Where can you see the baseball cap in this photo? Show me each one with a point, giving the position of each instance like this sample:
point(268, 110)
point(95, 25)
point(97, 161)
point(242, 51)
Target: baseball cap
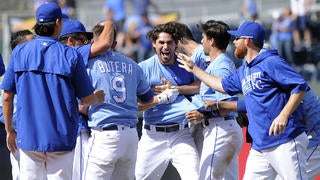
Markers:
point(74, 26)
point(49, 12)
point(250, 29)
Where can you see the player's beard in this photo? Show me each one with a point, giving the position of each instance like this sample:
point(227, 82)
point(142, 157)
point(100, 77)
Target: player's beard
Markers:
point(240, 51)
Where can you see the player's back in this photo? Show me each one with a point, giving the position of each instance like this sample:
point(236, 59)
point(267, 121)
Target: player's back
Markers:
point(122, 81)
point(44, 70)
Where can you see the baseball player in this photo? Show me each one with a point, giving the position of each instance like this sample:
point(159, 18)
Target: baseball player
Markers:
point(189, 46)
point(222, 135)
point(114, 138)
point(311, 113)
point(165, 135)
point(46, 77)
point(272, 92)
point(74, 34)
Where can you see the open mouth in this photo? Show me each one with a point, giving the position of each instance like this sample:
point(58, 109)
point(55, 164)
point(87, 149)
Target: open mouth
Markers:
point(165, 53)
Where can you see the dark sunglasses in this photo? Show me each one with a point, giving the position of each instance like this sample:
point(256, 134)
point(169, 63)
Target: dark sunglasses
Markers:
point(83, 40)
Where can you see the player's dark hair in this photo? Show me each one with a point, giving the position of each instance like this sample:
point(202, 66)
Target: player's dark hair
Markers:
point(183, 28)
point(153, 34)
point(217, 30)
point(44, 29)
point(19, 37)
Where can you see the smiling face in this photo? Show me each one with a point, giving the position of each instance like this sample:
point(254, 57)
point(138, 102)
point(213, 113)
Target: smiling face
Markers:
point(165, 48)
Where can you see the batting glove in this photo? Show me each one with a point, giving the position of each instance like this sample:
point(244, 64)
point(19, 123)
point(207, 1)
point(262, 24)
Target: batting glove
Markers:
point(168, 96)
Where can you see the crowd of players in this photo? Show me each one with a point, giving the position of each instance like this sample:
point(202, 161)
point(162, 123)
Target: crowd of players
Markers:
point(182, 90)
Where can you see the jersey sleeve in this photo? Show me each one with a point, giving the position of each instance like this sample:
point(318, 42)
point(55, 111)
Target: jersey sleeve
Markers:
point(286, 76)
point(144, 93)
point(232, 84)
point(81, 80)
point(8, 82)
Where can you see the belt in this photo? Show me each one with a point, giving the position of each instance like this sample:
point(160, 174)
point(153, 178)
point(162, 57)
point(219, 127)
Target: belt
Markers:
point(115, 127)
point(163, 128)
point(206, 122)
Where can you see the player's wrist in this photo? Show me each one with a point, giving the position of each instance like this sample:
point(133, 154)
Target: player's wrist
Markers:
point(175, 87)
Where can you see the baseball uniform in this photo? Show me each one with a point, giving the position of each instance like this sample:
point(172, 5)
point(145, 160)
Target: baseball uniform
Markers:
point(114, 139)
point(266, 87)
point(222, 135)
point(166, 136)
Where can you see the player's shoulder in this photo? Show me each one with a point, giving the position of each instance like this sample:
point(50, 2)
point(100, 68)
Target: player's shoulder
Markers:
point(149, 62)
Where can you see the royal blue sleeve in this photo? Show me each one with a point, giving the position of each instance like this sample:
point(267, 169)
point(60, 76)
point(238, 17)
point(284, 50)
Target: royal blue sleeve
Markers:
point(241, 106)
point(280, 70)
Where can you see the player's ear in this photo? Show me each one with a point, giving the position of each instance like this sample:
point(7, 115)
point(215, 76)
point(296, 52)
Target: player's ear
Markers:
point(71, 41)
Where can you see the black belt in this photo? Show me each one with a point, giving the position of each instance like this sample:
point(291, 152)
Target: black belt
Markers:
point(170, 128)
point(114, 127)
point(206, 121)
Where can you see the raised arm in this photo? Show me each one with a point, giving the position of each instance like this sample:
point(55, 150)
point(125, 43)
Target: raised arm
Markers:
point(104, 41)
point(212, 81)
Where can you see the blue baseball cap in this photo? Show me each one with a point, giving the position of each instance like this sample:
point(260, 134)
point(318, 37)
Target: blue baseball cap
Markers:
point(74, 26)
point(250, 29)
point(49, 12)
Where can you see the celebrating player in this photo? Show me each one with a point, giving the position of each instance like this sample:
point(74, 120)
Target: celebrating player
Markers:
point(272, 92)
point(114, 138)
point(74, 34)
point(166, 136)
point(222, 134)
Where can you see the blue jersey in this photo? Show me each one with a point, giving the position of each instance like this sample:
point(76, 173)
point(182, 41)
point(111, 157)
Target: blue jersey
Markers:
point(46, 76)
point(266, 83)
point(311, 111)
point(173, 112)
point(123, 83)
point(85, 53)
point(222, 67)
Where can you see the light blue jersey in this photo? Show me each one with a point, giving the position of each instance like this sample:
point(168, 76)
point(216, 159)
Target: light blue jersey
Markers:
point(123, 82)
point(222, 67)
point(175, 111)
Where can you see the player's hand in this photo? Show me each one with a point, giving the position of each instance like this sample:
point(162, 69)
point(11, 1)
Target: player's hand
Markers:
point(212, 106)
point(160, 88)
point(278, 125)
point(100, 95)
point(168, 96)
point(185, 62)
point(11, 141)
point(194, 116)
